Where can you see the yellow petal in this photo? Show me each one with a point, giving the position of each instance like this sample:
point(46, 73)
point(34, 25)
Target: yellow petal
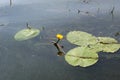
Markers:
point(59, 36)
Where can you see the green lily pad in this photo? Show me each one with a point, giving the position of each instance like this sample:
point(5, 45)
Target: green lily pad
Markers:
point(106, 44)
point(105, 47)
point(81, 38)
point(107, 40)
point(26, 34)
point(110, 48)
point(86, 55)
point(81, 56)
point(97, 47)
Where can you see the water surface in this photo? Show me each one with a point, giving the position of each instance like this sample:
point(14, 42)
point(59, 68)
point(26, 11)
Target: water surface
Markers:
point(36, 59)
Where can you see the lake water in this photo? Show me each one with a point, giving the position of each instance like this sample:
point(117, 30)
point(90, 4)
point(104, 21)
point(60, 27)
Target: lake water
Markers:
point(36, 59)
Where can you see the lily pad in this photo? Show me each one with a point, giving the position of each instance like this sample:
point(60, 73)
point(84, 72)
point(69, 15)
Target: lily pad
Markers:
point(81, 38)
point(110, 47)
point(26, 34)
point(97, 47)
point(107, 40)
point(106, 44)
point(81, 56)
point(105, 47)
point(86, 55)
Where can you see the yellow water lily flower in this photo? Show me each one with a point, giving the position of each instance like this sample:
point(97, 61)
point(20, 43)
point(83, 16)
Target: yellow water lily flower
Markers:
point(59, 36)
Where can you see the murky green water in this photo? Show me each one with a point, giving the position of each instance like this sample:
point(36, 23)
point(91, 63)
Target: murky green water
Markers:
point(36, 59)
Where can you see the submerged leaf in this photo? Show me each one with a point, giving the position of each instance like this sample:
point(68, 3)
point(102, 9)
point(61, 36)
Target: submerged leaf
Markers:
point(81, 38)
point(26, 34)
point(81, 56)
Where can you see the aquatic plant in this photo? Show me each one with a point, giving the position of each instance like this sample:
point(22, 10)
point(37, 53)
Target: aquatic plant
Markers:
point(59, 36)
point(82, 56)
point(57, 45)
point(81, 38)
point(88, 45)
point(26, 34)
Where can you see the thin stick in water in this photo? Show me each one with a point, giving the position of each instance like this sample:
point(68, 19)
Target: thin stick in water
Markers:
point(10, 2)
point(112, 11)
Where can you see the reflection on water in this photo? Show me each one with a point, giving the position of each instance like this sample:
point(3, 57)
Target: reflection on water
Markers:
point(37, 59)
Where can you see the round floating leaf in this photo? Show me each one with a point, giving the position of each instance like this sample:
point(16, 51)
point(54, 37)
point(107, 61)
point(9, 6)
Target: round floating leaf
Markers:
point(81, 38)
point(110, 47)
point(107, 44)
point(26, 34)
point(107, 40)
point(81, 56)
point(97, 47)
point(105, 47)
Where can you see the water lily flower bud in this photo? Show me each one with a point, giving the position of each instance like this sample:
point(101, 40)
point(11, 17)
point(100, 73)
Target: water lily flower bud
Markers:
point(59, 36)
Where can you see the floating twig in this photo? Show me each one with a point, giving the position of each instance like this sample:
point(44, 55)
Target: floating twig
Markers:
point(85, 1)
point(98, 10)
point(2, 24)
point(28, 26)
point(117, 33)
point(10, 2)
point(112, 11)
point(79, 11)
